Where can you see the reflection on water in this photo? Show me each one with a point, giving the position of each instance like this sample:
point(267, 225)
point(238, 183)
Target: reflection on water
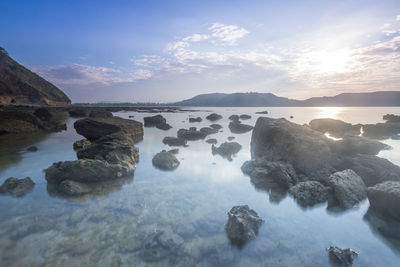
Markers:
point(178, 218)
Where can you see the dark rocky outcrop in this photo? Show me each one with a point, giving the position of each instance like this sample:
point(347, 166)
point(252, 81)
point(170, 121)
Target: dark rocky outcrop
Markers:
point(341, 257)
point(191, 135)
point(238, 128)
point(309, 193)
point(174, 141)
point(243, 225)
point(385, 198)
point(154, 120)
point(214, 117)
point(17, 187)
point(227, 149)
point(165, 161)
point(198, 119)
point(72, 188)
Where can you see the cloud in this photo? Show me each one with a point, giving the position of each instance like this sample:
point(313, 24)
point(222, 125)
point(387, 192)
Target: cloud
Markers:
point(177, 45)
point(228, 34)
point(398, 18)
point(196, 37)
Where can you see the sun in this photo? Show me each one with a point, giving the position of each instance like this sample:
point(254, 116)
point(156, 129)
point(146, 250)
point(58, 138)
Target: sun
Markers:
point(331, 62)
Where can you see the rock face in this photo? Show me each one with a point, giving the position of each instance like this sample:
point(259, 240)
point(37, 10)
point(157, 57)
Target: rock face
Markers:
point(165, 161)
point(17, 187)
point(227, 149)
point(174, 141)
point(94, 128)
point(341, 257)
point(198, 119)
point(385, 198)
point(243, 225)
point(309, 193)
point(336, 128)
point(192, 134)
point(214, 117)
point(348, 188)
point(239, 128)
point(154, 120)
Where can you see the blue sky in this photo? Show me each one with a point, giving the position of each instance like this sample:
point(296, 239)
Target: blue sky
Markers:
point(172, 50)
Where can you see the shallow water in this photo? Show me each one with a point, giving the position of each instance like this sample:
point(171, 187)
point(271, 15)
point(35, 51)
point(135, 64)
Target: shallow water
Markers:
point(108, 229)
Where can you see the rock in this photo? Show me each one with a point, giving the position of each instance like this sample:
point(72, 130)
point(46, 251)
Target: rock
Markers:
point(85, 170)
point(244, 117)
point(100, 114)
point(227, 149)
point(192, 134)
point(391, 118)
point(342, 257)
point(95, 128)
point(17, 187)
point(381, 130)
point(280, 173)
point(348, 188)
point(230, 138)
point(214, 117)
point(154, 120)
point(174, 151)
point(234, 118)
point(309, 193)
point(212, 141)
point(208, 130)
point(216, 126)
point(352, 145)
point(131, 116)
point(174, 141)
point(239, 128)
point(32, 149)
point(385, 198)
point(243, 225)
point(72, 188)
point(80, 144)
point(198, 119)
point(43, 114)
point(291, 117)
point(165, 161)
point(78, 112)
point(336, 128)
point(262, 112)
point(163, 126)
point(396, 137)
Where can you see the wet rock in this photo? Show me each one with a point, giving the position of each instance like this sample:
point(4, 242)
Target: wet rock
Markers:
point(244, 117)
point(17, 187)
point(95, 128)
point(385, 198)
point(80, 144)
point(348, 188)
point(192, 134)
point(214, 117)
point(212, 141)
point(391, 118)
point(309, 193)
point(32, 149)
point(78, 112)
point(174, 141)
point(239, 128)
point(262, 112)
point(163, 126)
point(336, 128)
point(234, 118)
point(100, 114)
point(174, 151)
point(198, 119)
point(243, 225)
point(208, 130)
point(227, 149)
point(352, 145)
point(230, 138)
point(154, 120)
point(165, 161)
point(281, 173)
point(216, 126)
point(341, 257)
point(72, 188)
point(85, 170)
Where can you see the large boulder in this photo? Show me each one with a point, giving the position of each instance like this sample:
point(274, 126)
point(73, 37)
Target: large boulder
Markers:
point(154, 120)
point(174, 141)
point(214, 117)
point(227, 149)
point(348, 188)
point(385, 198)
point(243, 225)
point(95, 128)
point(309, 193)
point(17, 187)
point(336, 128)
point(165, 160)
point(238, 128)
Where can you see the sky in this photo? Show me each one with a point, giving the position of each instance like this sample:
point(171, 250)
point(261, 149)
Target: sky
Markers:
point(165, 51)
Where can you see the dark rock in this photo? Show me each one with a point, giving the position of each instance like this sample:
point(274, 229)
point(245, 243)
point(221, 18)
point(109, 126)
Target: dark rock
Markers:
point(94, 128)
point(208, 130)
point(291, 117)
point(309, 193)
point(396, 137)
point(216, 126)
point(72, 188)
point(348, 188)
point(100, 114)
point(79, 112)
point(227, 149)
point(131, 116)
point(43, 114)
point(243, 225)
point(239, 128)
point(81, 144)
point(17, 187)
point(244, 117)
point(212, 141)
point(174, 141)
point(163, 126)
point(336, 128)
point(341, 257)
point(32, 148)
point(154, 120)
point(385, 198)
point(234, 118)
point(25, 122)
point(174, 151)
point(198, 119)
point(230, 138)
point(165, 161)
point(391, 118)
point(262, 112)
point(191, 134)
point(381, 130)
point(214, 117)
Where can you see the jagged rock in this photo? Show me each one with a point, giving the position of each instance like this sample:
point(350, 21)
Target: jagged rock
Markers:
point(154, 120)
point(243, 225)
point(165, 161)
point(163, 126)
point(208, 130)
point(238, 128)
point(385, 198)
point(81, 144)
point(341, 257)
point(17, 187)
point(192, 134)
point(216, 126)
point(336, 128)
point(212, 141)
point(214, 117)
point(79, 112)
point(32, 148)
point(198, 119)
point(100, 114)
point(174, 141)
point(348, 188)
point(85, 170)
point(227, 149)
point(309, 193)
point(244, 117)
point(94, 128)
point(72, 188)
point(280, 173)
point(234, 118)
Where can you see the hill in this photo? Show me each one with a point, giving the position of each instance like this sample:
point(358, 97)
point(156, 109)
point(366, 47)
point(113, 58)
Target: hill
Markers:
point(18, 85)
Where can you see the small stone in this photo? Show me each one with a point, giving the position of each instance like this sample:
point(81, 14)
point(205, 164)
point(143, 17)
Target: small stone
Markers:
point(344, 257)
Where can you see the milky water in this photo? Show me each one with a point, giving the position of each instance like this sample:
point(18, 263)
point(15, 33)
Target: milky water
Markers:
point(109, 228)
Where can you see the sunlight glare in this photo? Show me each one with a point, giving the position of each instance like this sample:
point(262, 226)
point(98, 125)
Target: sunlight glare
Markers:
point(329, 112)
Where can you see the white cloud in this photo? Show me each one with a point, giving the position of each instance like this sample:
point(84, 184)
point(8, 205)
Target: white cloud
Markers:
point(228, 34)
point(398, 18)
point(177, 45)
point(196, 37)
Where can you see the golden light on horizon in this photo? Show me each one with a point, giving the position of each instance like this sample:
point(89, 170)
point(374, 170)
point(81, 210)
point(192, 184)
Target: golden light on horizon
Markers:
point(329, 112)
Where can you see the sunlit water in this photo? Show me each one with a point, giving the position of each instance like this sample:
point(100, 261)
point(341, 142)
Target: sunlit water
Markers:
point(43, 228)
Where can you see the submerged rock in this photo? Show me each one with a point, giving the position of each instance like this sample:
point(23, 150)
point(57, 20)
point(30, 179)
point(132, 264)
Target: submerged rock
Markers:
point(385, 198)
point(198, 119)
point(17, 187)
point(174, 141)
point(214, 117)
point(208, 130)
point(227, 149)
point(238, 128)
point(163, 126)
point(244, 117)
point(212, 141)
point(154, 120)
point(72, 188)
point(230, 138)
point(165, 161)
point(243, 225)
point(192, 134)
point(216, 126)
point(309, 193)
point(342, 257)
